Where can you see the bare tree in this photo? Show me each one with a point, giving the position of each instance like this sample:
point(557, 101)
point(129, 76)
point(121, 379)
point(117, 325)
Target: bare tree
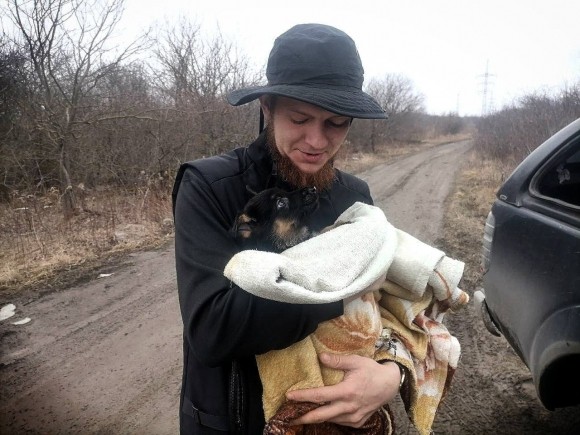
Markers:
point(194, 69)
point(195, 74)
point(13, 91)
point(397, 95)
point(13, 84)
point(517, 129)
point(67, 43)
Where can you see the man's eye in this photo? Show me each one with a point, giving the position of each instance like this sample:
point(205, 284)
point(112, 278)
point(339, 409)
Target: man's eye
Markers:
point(339, 124)
point(299, 121)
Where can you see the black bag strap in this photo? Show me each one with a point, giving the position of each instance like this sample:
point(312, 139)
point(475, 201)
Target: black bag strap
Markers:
point(217, 422)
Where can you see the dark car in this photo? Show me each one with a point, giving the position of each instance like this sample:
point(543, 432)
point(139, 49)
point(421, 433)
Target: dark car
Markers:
point(531, 264)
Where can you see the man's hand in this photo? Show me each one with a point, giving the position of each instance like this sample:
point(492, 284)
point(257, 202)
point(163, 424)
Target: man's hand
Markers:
point(367, 385)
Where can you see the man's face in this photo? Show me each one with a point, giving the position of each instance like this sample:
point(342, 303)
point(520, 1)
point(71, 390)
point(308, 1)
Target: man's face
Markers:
point(307, 135)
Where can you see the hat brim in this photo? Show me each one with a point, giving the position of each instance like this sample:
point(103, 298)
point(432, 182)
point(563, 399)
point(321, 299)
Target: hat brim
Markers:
point(341, 100)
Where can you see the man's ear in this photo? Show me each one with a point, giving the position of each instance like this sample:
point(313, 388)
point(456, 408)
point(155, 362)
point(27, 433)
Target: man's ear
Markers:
point(265, 105)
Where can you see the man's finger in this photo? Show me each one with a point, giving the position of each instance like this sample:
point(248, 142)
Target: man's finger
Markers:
point(320, 395)
point(341, 362)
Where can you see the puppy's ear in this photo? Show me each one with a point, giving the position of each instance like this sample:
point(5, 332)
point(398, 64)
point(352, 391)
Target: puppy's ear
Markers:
point(249, 189)
point(243, 227)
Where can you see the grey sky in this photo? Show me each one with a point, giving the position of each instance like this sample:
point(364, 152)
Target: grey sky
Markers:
point(442, 46)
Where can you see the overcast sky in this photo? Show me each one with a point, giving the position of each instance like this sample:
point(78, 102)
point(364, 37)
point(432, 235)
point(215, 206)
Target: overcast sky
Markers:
point(442, 46)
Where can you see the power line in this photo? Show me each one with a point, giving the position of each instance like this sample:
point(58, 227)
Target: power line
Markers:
point(487, 100)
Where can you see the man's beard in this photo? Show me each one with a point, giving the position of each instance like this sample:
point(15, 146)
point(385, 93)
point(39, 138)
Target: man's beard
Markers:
point(290, 173)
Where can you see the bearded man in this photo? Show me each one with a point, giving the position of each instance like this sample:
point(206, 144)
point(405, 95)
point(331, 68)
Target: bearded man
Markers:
point(314, 91)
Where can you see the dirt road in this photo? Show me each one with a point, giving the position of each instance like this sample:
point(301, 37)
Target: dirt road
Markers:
point(105, 357)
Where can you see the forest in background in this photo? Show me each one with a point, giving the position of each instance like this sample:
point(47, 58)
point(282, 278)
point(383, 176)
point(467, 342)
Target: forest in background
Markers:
point(80, 113)
point(92, 133)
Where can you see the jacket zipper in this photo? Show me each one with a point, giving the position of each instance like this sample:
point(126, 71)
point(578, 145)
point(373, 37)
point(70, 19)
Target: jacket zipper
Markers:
point(236, 399)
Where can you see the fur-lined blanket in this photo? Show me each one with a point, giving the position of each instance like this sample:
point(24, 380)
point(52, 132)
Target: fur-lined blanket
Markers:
point(398, 290)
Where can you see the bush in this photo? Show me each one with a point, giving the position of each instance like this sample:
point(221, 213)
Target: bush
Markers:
point(516, 130)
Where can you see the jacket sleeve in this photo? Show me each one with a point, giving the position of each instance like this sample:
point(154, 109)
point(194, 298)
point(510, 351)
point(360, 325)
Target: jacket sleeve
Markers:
point(222, 321)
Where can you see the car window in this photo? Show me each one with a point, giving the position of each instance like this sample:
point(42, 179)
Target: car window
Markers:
point(559, 180)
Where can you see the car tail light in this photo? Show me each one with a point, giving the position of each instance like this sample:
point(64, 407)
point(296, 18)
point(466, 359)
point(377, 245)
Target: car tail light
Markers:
point(487, 240)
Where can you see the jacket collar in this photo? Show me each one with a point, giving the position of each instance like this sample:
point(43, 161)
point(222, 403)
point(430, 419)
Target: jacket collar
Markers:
point(260, 155)
point(265, 167)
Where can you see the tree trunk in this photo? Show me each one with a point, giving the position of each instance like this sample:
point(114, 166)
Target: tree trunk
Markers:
point(373, 135)
point(68, 199)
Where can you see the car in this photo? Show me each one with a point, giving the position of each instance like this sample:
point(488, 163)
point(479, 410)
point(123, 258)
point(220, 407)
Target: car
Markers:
point(531, 266)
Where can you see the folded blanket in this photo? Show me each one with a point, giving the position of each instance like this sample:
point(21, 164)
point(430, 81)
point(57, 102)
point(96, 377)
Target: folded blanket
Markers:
point(398, 290)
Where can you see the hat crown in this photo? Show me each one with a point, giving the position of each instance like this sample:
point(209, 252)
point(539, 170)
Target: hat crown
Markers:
point(319, 65)
point(315, 54)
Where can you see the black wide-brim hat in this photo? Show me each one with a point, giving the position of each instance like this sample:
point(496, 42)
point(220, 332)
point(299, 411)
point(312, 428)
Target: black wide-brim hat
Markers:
point(317, 64)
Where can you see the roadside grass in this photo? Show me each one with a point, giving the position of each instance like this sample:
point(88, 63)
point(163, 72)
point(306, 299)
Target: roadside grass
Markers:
point(467, 208)
point(41, 251)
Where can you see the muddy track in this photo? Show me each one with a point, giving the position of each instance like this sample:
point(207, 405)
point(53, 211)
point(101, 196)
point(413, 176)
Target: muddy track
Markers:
point(105, 357)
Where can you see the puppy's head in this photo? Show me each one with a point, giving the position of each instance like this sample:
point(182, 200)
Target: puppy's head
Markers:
point(274, 219)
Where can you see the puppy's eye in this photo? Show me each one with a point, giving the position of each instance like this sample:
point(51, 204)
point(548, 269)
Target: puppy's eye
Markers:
point(282, 203)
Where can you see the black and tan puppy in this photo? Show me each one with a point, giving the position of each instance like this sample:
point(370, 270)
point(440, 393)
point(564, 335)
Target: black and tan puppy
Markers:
point(274, 219)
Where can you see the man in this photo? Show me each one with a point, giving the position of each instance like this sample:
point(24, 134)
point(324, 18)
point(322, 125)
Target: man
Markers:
point(314, 91)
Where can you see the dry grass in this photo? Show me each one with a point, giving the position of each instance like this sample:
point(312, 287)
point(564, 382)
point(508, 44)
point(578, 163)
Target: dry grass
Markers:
point(40, 250)
point(467, 209)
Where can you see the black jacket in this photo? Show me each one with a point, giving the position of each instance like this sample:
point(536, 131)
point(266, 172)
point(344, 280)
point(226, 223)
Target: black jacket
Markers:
point(224, 326)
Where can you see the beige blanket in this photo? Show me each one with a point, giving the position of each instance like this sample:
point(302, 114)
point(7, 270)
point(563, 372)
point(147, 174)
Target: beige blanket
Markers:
point(398, 290)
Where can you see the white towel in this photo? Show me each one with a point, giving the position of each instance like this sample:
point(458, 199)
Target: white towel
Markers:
point(340, 263)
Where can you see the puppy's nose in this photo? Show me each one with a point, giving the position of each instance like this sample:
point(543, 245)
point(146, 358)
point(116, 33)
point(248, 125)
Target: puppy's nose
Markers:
point(309, 195)
point(309, 192)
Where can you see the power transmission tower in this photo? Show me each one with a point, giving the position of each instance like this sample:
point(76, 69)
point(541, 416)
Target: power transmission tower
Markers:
point(487, 84)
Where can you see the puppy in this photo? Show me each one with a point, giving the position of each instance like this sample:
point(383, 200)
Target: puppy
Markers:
point(274, 219)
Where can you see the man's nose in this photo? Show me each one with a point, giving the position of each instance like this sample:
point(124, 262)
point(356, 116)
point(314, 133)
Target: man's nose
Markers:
point(316, 137)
